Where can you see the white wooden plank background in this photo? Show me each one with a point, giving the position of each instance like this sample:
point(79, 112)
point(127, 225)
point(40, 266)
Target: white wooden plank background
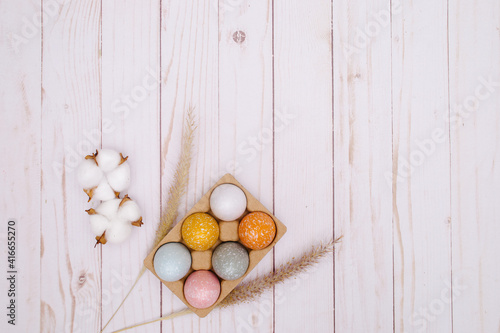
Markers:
point(131, 104)
point(362, 152)
point(373, 120)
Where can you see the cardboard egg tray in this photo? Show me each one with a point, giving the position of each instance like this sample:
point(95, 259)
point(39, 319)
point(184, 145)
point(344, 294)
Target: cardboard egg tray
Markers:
point(228, 231)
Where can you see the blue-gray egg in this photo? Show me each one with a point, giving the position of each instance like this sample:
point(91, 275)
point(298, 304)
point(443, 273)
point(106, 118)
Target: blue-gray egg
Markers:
point(230, 260)
point(172, 261)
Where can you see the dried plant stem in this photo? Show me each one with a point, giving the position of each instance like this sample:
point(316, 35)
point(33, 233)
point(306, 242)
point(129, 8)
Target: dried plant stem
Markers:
point(252, 290)
point(170, 316)
point(141, 273)
point(176, 191)
point(181, 178)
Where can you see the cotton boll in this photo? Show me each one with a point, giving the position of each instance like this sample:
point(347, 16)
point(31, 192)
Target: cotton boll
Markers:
point(130, 211)
point(119, 231)
point(119, 178)
point(89, 174)
point(104, 175)
point(103, 192)
point(114, 219)
point(108, 159)
point(109, 208)
point(104, 166)
point(98, 224)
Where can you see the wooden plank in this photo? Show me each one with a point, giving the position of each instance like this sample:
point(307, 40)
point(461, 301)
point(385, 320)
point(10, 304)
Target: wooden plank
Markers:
point(20, 52)
point(189, 66)
point(421, 157)
point(363, 158)
point(303, 163)
point(131, 112)
point(246, 129)
point(70, 266)
point(475, 124)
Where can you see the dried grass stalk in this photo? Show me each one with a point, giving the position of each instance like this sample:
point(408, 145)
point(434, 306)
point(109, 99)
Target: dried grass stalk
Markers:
point(181, 179)
point(170, 316)
point(176, 191)
point(252, 290)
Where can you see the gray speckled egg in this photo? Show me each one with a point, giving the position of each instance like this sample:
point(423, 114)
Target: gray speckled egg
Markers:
point(230, 260)
point(172, 261)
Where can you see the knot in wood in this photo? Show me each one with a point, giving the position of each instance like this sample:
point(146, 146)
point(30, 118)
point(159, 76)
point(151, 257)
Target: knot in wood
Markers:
point(239, 36)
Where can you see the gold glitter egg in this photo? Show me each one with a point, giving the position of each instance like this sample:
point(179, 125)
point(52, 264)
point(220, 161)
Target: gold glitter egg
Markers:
point(200, 231)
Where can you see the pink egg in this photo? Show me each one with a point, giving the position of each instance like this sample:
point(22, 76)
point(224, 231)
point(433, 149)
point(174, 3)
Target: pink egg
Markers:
point(202, 289)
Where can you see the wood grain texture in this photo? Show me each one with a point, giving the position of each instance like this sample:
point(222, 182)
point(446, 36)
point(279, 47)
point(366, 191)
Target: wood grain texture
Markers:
point(20, 148)
point(70, 266)
point(475, 175)
point(246, 129)
point(363, 159)
point(376, 121)
point(131, 115)
point(421, 180)
point(304, 190)
point(189, 66)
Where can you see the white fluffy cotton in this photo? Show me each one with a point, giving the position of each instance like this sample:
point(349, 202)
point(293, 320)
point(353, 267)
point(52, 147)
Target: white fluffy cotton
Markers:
point(119, 178)
point(130, 211)
point(108, 159)
point(103, 192)
point(115, 217)
point(119, 231)
point(109, 208)
point(98, 224)
point(89, 174)
point(104, 175)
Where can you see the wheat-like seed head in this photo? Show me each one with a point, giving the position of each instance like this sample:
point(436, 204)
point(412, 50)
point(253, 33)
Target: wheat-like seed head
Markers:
point(181, 178)
point(251, 290)
point(176, 191)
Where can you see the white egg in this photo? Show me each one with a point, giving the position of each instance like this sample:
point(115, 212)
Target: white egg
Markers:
point(172, 261)
point(228, 202)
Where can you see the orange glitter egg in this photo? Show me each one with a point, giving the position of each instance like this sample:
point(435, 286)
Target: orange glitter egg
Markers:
point(257, 230)
point(200, 231)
